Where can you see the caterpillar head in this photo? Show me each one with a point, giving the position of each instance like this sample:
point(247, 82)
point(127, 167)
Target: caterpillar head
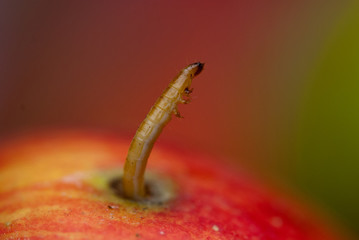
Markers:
point(189, 73)
point(195, 68)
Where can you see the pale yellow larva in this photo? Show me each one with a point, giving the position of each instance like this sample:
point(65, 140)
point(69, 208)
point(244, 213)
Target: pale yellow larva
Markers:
point(149, 130)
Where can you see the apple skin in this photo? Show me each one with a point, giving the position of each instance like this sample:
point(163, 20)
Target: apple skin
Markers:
point(55, 186)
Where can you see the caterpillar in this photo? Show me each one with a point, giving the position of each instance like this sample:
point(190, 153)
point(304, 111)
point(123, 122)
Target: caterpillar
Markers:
point(150, 129)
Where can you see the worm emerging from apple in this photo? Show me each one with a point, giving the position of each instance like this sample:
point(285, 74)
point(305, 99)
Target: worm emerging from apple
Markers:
point(69, 185)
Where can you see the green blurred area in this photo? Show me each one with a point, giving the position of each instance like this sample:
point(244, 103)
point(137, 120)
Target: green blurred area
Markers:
point(328, 130)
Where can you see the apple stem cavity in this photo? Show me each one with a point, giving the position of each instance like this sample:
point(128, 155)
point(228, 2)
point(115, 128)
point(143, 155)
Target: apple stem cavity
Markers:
point(160, 114)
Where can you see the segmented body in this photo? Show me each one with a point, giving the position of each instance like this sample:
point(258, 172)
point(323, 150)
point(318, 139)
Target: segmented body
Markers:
point(149, 130)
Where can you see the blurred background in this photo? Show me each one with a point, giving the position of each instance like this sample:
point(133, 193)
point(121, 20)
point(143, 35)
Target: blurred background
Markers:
point(279, 94)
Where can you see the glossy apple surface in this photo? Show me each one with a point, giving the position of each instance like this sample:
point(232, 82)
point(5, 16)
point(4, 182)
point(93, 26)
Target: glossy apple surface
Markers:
point(63, 186)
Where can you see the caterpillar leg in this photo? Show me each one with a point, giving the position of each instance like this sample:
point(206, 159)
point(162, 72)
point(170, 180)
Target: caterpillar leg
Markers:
point(185, 101)
point(188, 91)
point(177, 113)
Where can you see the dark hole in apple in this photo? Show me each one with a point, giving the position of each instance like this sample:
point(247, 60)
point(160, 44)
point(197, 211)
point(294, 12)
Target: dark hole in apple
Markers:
point(156, 194)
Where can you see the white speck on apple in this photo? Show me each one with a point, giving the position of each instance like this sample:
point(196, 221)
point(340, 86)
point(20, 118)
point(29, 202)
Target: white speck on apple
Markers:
point(276, 222)
point(74, 179)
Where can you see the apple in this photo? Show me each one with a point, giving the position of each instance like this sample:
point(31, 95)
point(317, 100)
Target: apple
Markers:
point(66, 185)
point(69, 185)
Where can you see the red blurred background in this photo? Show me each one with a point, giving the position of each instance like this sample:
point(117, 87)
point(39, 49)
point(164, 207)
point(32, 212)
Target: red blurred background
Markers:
point(91, 65)
point(101, 65)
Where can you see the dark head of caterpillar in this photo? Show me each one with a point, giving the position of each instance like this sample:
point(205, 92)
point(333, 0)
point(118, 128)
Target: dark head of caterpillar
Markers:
point(199, 66)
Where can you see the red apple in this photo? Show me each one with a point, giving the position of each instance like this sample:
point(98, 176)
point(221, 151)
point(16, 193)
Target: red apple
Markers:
point(63, 186)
